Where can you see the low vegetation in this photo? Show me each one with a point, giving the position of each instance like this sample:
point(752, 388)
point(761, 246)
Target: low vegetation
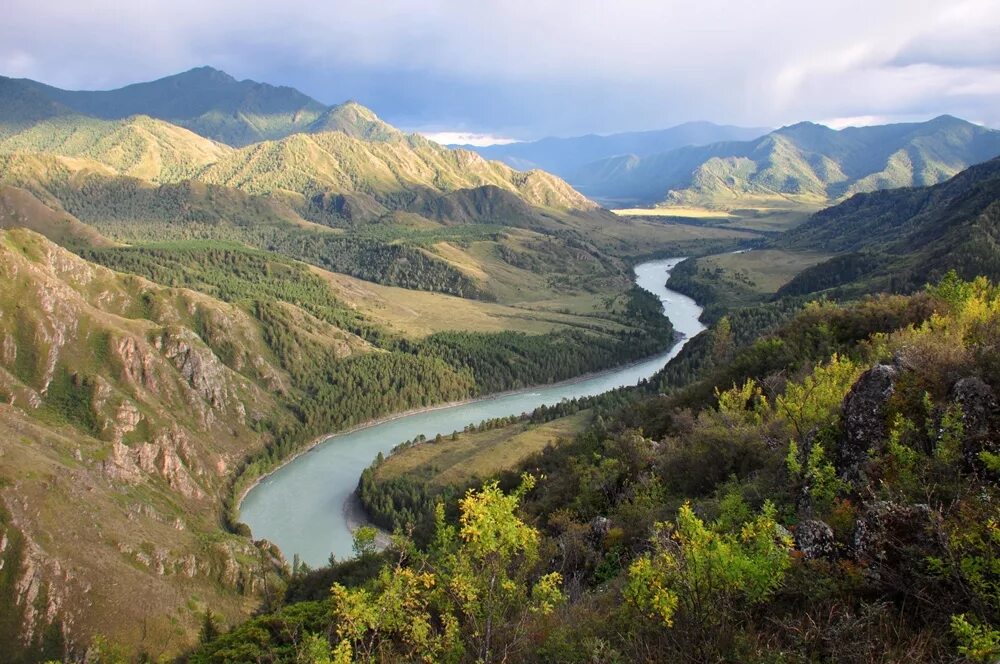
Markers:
point(838, 480)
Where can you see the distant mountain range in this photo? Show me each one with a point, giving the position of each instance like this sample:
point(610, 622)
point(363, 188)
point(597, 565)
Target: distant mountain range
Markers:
point(566, 156)
point(138, 130)
point(804, 163)
point(333, 164)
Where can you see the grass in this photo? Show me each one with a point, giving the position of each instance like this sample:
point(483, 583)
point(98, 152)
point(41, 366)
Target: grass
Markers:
point(479, 455)
point(762, 271)
point(420, 313)
point(730, 281)
point(678, 211)
point(766, 216)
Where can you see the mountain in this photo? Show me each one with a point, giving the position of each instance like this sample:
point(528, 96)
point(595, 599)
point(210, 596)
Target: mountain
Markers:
point(355, 120)
point(205, 100)
point(384, 174)
point(21, 106)
point(803, 163)
point(565, 156)
point(138, 146)
point(899, 239)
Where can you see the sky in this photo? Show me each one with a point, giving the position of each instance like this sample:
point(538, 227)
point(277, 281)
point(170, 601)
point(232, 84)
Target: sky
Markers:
point(523, 69)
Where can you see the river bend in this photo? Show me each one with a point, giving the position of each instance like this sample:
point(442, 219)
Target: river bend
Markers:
point(304, 506)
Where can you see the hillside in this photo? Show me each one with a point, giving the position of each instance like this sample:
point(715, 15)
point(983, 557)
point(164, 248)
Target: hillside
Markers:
point(22, 106)
point(19, 208)
point(138, 146)
point(136, 412)
point(806, 164)
point(895, 240)
point(383, 173)
point(825, 492)
point(120, 425)
point(565, 156)
point(205, 100)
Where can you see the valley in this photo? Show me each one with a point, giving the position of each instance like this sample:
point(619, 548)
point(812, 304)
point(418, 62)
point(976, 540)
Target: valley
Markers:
point(320, 483)
point(283, 382)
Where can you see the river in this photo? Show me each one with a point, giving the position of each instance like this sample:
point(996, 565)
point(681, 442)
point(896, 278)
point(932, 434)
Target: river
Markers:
point(304, 507)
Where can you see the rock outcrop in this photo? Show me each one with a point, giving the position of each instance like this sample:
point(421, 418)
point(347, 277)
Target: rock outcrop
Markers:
point(864, 418)
point(979, 416)
point(891, 541)
point(815, 539)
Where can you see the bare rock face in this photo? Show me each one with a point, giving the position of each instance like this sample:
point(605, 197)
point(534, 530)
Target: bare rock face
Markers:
point(139, 366)
point(168, 457)
point(864, 417)
point(40, 586)
point(979, 412)
point(199, 367)
point(815, 539)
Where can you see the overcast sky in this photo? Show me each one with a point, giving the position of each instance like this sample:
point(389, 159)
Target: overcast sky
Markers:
point(530, 68)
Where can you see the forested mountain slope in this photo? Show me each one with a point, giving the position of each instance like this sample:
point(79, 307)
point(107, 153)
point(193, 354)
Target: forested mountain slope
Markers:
point(205, 100)
point(895, 240)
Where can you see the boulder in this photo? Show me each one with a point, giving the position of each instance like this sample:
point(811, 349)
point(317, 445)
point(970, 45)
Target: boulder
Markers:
point(892, 541)
point(815, 539)
point(979, 410)
point(864, 417)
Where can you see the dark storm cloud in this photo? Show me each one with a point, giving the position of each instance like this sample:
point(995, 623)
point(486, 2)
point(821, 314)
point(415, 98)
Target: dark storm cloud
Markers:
point(530, 68)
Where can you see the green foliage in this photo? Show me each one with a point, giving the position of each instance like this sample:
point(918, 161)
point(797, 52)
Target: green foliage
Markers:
point(364, 541)
point(70, 396)
point(210, 629)
point(814, 403)
point(470, 593)
point(977, 642)
point(698, 573)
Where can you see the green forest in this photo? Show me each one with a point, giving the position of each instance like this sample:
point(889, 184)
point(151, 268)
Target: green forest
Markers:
point(833, 478)
point(825, 494)
point(203, 276)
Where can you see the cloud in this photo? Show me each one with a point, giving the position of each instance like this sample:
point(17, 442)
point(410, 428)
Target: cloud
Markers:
point(466, 138)
point(527, 68)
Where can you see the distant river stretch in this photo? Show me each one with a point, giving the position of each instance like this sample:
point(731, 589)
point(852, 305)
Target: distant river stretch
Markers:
point(304, 506)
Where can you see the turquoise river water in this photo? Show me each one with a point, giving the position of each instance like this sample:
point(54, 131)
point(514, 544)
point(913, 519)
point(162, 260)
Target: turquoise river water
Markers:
point(306, 506)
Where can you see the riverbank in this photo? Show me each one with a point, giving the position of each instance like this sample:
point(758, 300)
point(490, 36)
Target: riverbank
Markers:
point(368, 424)
point(303, 505)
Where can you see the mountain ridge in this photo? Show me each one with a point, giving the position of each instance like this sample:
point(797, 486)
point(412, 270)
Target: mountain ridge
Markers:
point(805, 162)
point(564, 156)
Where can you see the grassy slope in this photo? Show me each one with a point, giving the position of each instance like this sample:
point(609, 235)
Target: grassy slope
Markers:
point(311, 164)
point(478, 455)
point(420, 313)
point(724, 282)
point(119, 426)
point(138, 146)
point(20, 208)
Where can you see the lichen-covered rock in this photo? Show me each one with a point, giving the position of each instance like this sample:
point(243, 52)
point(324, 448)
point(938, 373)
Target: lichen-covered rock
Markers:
point(815, 539)
point(864, 417)
point(979, 414)
point(891, 541)
point(600, 526)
